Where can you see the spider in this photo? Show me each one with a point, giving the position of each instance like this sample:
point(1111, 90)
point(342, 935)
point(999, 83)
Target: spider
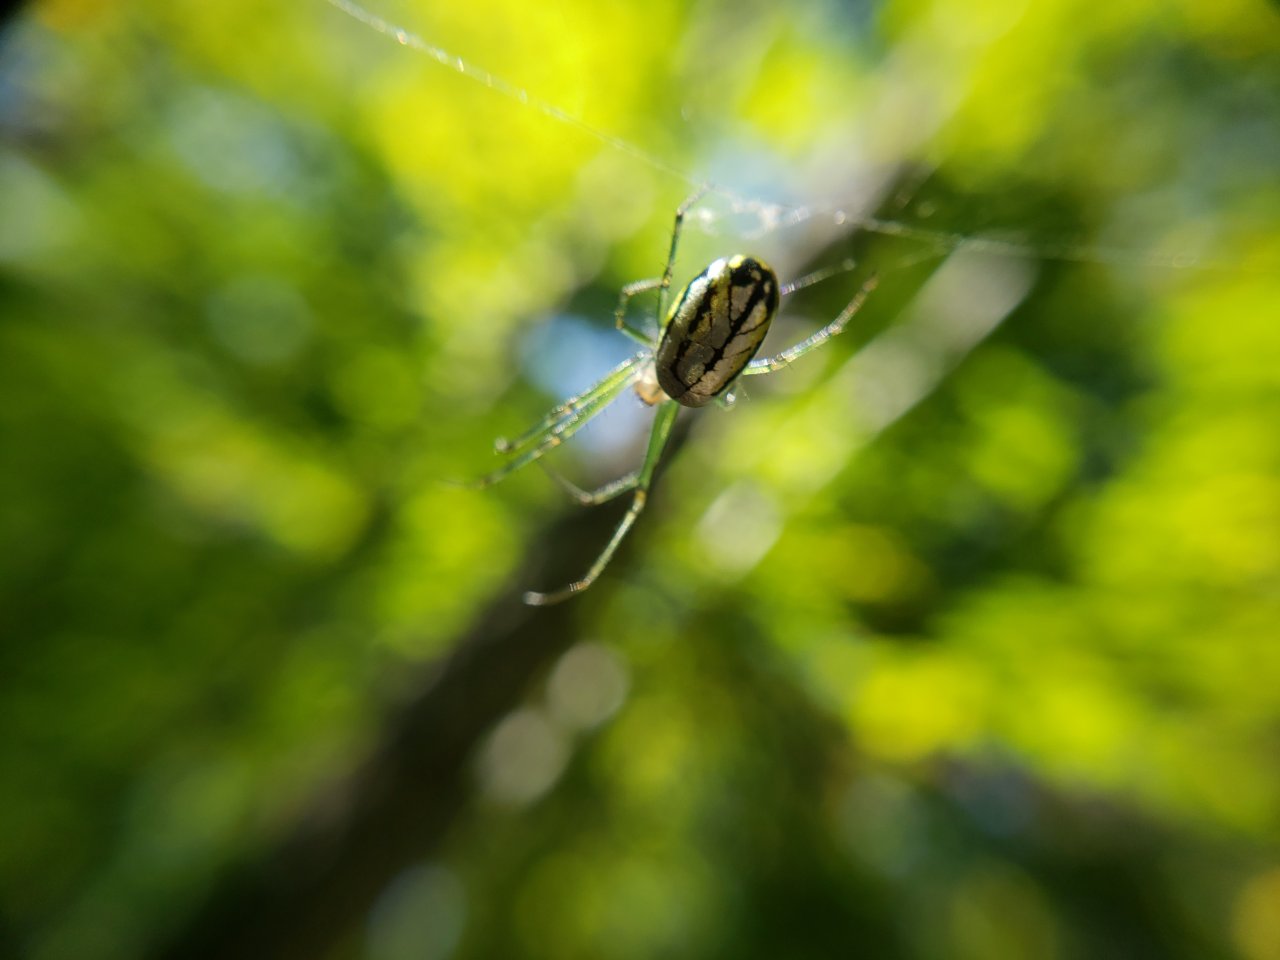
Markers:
point(713, 331)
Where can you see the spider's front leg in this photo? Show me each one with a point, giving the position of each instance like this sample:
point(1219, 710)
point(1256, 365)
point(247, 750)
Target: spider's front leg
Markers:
point(564, 421)
point(592, 498)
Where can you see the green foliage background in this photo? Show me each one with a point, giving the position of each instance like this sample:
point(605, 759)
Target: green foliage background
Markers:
point(998, 676)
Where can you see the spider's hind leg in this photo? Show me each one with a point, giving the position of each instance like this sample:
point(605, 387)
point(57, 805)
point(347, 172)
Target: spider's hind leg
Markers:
point(832, 329)
point(624, 300)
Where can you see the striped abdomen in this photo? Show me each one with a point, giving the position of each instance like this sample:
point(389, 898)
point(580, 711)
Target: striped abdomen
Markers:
point(715, 327)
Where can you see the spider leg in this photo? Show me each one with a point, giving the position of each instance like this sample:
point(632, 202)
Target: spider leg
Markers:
point(611, 383)
point(563, 422)
point(665, 282)
point(620, 315)
point(591, 498)
point(780, 360)
point(825, 273)
point(662, 422)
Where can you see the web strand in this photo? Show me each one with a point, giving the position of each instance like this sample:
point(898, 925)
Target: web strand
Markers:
point(776, 214)
point(519, 94)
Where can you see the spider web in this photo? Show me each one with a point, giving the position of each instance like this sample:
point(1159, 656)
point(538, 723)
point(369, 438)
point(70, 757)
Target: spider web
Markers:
point(771, 214)
point(978, 280)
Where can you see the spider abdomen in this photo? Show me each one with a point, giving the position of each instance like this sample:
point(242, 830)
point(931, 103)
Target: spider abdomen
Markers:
point(714, 329)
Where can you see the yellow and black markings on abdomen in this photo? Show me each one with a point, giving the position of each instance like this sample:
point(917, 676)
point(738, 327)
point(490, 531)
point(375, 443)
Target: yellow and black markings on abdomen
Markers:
point(716, 326)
